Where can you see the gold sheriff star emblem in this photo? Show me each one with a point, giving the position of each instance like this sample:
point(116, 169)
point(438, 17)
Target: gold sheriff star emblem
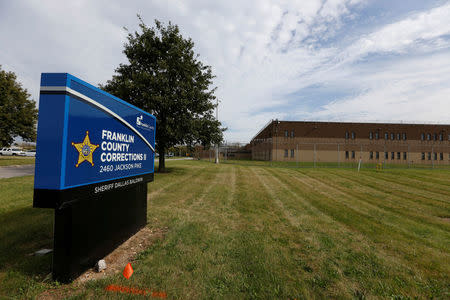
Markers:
point(85, 150)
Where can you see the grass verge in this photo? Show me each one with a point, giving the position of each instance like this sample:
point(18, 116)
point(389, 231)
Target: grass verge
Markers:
point(15, 160)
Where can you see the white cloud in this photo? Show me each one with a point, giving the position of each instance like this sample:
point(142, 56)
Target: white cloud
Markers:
point(418, 30)
point(414, 90)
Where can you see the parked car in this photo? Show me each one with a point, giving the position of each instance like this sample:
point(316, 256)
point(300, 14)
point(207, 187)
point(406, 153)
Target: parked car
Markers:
point(31, 153)
point(12, 152)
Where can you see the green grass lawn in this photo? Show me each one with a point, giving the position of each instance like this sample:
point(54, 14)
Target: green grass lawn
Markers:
point(16, 160)
point(248, 231)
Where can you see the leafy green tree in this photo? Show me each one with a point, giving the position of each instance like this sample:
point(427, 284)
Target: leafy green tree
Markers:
point(18, 113)
point(164, 77)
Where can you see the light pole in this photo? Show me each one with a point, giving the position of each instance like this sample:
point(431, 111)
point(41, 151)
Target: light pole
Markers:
point(217, 118)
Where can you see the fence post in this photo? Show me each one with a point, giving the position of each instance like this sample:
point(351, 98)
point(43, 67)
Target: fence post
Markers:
point(297, 155)
point(339, 156)
point(360, 157)
point(408, 158)
point(314, 155)
point(432, 157)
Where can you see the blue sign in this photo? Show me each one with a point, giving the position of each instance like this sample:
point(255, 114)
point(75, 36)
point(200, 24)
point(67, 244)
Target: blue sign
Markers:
point(88, 136)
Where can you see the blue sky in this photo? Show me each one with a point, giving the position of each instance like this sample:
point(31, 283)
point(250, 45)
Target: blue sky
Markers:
point(336, 60)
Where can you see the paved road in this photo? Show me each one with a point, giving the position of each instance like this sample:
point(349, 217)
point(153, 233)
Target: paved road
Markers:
point(14, 171)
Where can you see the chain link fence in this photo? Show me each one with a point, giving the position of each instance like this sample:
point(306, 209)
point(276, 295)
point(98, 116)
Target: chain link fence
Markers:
point(337, 155)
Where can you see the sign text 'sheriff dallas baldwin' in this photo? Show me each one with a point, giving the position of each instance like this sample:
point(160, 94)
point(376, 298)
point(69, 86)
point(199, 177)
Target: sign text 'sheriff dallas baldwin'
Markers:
point(94, 157)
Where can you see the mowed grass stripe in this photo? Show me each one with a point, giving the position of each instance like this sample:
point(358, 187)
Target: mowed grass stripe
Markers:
point(344, 239)
point(365, 207)
point(439, 237)
point(313, 219)
point(164, 181)
point(392, 204)
point(373, 226)
point(430, 229)
point(406, 252)
point(428, 207)
point(390, 187)
point(293, 220)
point(438, 177)
point(261, 245)
point(316, 240)
point(424, 190)
point(184, 252)
point(425, 183)
point(245, 260)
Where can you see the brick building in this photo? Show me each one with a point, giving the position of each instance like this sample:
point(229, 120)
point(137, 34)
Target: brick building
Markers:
point(349, 142)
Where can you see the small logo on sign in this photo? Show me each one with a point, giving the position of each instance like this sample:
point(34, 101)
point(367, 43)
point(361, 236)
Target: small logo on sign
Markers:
point(85, 150)
point(143, 125)
point(139, 120)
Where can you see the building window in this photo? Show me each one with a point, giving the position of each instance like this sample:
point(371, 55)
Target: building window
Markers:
point(441, 137)
point(371, 155)
point(353, 135)
point(429, 155)
point(286, 152)
point(441, 156)
point(377, 135)
point(371, 135)
point(377, 155)
point(428, 137)
point(386, 156)
point(423, 155)
point(398, 136)
point(398, 155)
point(392, 136)
point(435, 156)
point(353, 154)
point(286, 133)
point(404, 155)
point(292, 152)
point(392, 155)
point(435, 137)
point(386, 136)
point(292, 134)
point(422, 136)
point(346, 154)
point(346, 135)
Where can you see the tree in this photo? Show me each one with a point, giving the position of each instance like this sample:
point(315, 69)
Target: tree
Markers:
point(164, 77)
point(18, 113)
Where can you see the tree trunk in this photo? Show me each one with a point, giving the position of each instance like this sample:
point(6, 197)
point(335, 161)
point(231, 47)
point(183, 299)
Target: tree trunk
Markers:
point(162, 161)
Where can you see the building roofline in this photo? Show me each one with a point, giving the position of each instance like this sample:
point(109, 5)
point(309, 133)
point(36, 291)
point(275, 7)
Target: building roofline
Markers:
point(261, 130)
point(409, 123)
point(369, 122)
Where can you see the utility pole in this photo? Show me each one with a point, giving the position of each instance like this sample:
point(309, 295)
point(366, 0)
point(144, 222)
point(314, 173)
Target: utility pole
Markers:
point(217, 118)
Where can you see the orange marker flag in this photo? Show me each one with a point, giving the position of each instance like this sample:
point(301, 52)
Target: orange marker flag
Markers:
point(128, 271)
